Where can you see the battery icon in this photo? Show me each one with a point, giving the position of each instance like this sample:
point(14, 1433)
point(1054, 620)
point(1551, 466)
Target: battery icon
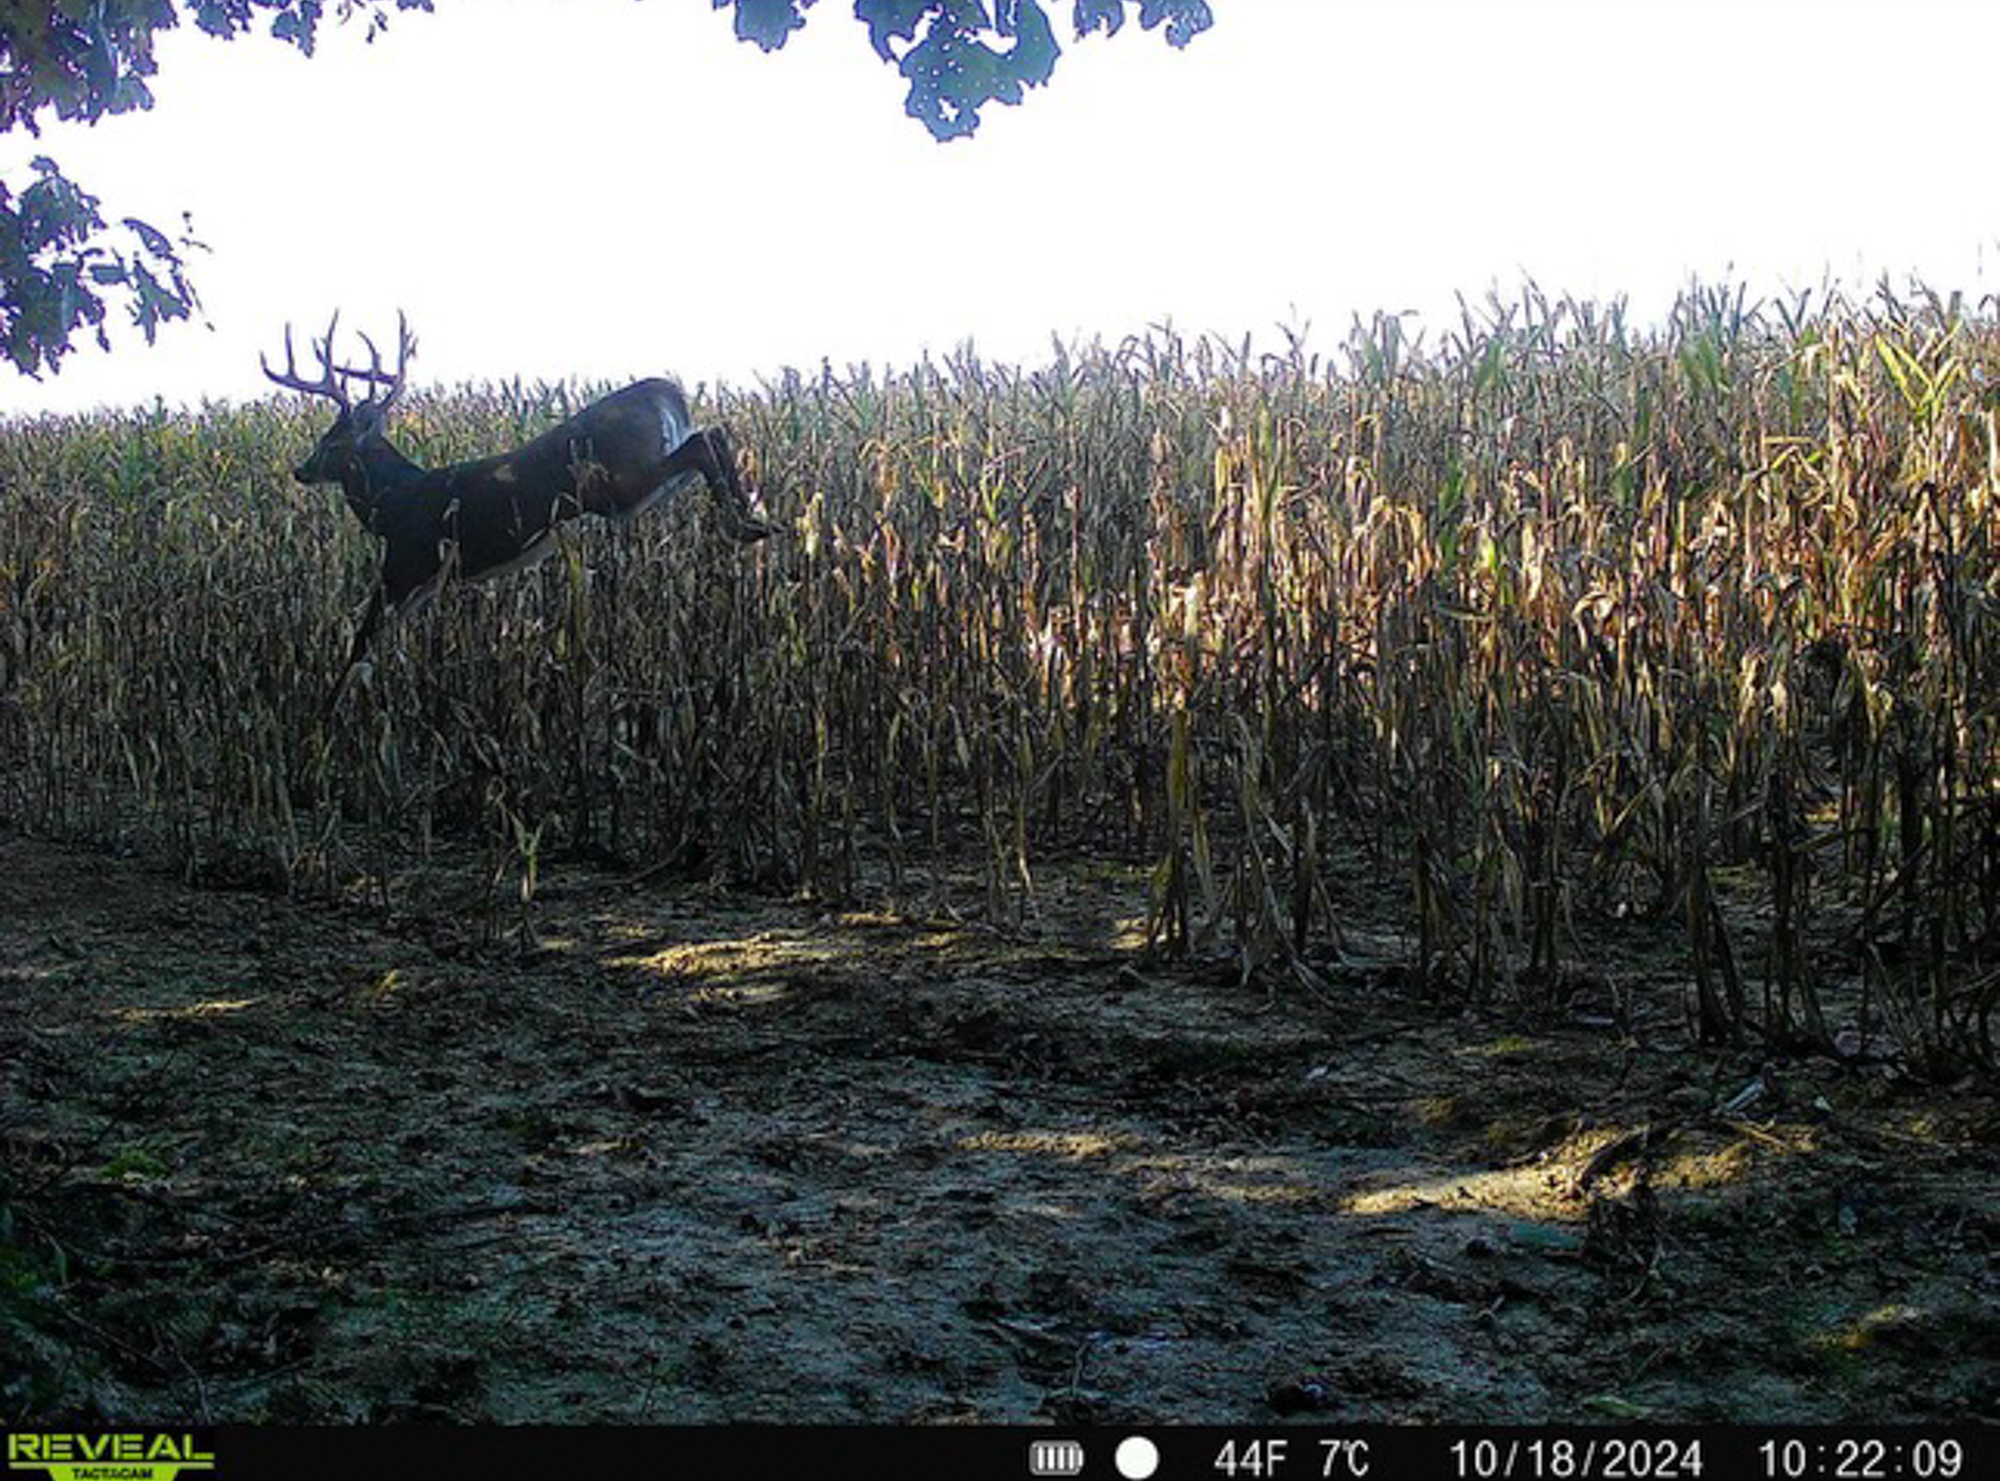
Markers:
point(1055, 1458)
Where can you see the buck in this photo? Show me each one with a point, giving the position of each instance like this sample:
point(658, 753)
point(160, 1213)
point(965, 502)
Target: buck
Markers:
point(617, 457)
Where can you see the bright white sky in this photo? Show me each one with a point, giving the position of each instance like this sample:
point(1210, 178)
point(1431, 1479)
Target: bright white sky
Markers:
point(610, 188)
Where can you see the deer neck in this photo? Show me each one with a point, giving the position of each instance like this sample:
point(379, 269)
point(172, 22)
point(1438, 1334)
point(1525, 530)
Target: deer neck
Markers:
point(373, 475)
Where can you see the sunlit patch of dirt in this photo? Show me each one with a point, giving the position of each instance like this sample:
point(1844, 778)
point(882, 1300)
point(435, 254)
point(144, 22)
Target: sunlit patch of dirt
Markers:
point(702, 1156)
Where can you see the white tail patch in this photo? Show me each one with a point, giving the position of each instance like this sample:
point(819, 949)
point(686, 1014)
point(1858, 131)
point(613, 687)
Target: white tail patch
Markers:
point(676, 423)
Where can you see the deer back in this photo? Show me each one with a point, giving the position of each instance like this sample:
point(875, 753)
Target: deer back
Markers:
point(608, 457)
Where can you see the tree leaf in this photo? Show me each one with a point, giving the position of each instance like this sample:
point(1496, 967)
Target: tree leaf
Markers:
point(767, 22)
point(152, 238)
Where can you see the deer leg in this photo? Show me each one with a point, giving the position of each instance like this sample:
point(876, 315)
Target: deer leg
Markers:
point(370, 620)
point(708, 452)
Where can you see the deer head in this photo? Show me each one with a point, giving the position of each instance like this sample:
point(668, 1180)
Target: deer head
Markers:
point(341, 453)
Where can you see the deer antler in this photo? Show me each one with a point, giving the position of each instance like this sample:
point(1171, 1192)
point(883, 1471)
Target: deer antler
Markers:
point(332, 382)
point(406, 346)
point(329, 382)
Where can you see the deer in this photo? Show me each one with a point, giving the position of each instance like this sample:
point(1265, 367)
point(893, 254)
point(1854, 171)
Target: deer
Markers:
point(617, 458)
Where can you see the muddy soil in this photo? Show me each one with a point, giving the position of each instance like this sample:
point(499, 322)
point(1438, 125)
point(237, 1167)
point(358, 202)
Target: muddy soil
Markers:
point(705, 1156)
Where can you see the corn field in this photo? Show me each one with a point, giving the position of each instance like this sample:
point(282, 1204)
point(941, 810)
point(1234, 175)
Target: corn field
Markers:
point(1546, 622)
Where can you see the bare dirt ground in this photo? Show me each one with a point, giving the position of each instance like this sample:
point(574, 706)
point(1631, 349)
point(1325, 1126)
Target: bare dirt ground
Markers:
point(703, 1156)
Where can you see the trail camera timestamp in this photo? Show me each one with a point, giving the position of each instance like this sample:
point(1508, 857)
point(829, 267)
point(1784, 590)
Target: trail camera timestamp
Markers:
point(1861, 1458)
